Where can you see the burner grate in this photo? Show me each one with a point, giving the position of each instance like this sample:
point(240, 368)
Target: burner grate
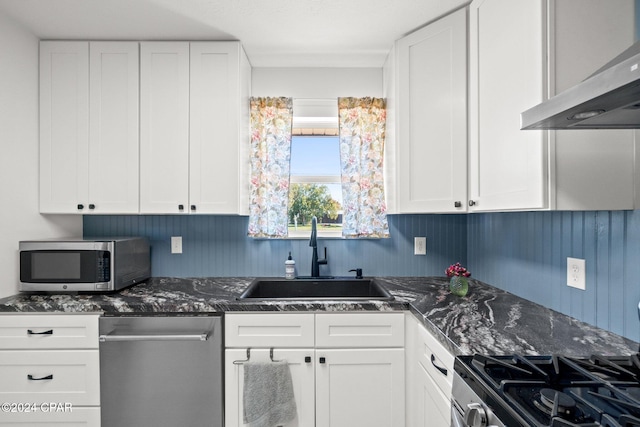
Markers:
point(563, 391)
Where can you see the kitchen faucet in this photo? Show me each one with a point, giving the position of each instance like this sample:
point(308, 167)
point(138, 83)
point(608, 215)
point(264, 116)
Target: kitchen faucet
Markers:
point(313, 242)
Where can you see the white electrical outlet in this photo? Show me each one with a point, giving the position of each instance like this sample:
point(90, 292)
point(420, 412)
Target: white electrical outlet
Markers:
point(576, 275)
point(419, 245)
point(176, 244)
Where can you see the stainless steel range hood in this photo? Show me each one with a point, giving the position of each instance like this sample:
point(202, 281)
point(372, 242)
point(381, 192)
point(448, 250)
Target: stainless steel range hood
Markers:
point(608, 99)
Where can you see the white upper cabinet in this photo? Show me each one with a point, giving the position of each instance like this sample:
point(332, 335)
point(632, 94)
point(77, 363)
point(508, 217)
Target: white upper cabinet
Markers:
point(219, 128)
point(507, 50)
point(89, 127)
point(521, 53)
point(64, 126)
point(164, 127)
point(113, 127)
point(194, 128)
point(431, 117)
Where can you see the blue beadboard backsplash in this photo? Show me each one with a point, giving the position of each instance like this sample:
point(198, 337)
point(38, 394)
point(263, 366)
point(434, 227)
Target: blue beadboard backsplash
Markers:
point(522, 252)
point(219, 246)
point(525, 253)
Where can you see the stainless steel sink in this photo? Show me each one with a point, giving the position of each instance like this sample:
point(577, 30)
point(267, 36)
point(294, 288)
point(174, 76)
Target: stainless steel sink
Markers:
point(336, 288)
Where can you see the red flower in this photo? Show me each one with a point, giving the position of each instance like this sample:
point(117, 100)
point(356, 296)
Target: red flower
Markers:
point(457, 270)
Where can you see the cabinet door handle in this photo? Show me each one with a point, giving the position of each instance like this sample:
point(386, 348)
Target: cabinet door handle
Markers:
point(32, 378)
point(433, 362)
point(307, 359)
point(49, 332)
point(323, 360)
point(193, 207)
point(92, 206)
point(457, 204)
point(180, 208)
point(80, 206)
point(472, 202)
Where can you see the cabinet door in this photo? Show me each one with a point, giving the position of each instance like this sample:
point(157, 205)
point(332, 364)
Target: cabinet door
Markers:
point(433, 408)
point(113, 132)
point(302, 375)
point(64, 126)
point(507, 166)
point(360, 387)
point(164, 127)
point(429, 375)
point(218, 92)
point(432, 117)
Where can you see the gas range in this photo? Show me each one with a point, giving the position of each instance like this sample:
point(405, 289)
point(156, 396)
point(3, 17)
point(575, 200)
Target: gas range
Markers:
point(555, 391)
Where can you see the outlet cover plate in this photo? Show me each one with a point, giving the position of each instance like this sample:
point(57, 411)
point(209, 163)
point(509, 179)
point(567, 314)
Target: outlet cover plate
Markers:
point(576, 275)
point(176, 244)
point(419, 245)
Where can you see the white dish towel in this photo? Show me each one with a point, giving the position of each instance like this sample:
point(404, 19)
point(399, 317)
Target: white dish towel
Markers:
point(268, 398)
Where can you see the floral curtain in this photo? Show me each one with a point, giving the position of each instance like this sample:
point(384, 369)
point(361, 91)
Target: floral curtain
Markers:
point(362, 135)
point(271, 120)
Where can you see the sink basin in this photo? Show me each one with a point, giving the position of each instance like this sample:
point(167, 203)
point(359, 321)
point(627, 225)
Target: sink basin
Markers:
point(277, 289)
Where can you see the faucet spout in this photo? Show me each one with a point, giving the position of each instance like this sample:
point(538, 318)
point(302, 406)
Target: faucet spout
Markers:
point(313, 242)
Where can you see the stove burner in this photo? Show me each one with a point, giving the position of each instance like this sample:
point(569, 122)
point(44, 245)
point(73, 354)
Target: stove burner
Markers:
point(555, 403)
point(554, 391)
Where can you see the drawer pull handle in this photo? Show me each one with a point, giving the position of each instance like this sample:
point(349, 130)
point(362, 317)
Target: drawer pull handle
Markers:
point(323, 360)
point(32, 378)
point(49, 332)
point(433, 362)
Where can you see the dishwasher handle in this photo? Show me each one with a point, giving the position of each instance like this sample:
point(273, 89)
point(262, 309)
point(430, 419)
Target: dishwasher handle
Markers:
point(154, 337)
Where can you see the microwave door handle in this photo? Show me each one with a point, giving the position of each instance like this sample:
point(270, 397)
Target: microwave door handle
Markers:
point(159, 337)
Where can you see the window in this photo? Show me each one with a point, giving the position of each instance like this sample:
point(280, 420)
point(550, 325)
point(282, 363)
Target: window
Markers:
point(315, 188)
point(285, 152)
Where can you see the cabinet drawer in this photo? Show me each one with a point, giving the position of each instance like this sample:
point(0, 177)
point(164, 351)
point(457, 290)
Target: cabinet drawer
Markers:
point(47, 416)
point(360, 330)
point(432, 355)
point(57, 331)
point(74, 376)
point(269, 330)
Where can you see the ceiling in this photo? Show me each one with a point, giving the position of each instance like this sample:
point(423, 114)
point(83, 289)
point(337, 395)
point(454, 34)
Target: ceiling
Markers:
point(274, 33)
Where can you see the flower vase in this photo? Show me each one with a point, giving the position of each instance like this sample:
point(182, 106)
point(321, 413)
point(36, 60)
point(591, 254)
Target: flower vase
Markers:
point(459, 285)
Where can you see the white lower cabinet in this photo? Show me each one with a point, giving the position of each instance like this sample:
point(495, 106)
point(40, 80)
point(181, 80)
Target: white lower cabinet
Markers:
point(302, 375)
point(343, 385)
point(49, 370)
point(360, 387)
point(429, 378)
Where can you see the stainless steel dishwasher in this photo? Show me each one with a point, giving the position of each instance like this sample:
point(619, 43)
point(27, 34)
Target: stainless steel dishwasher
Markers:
point(159, 371)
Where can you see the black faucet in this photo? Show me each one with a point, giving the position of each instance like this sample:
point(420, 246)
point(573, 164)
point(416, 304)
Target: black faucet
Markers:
point(313, 242)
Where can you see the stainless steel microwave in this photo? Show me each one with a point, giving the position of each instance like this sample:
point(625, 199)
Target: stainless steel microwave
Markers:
point(83, 265)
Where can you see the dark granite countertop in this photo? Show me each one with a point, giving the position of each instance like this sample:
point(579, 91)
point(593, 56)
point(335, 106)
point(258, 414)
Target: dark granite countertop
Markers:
point(488, 320)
